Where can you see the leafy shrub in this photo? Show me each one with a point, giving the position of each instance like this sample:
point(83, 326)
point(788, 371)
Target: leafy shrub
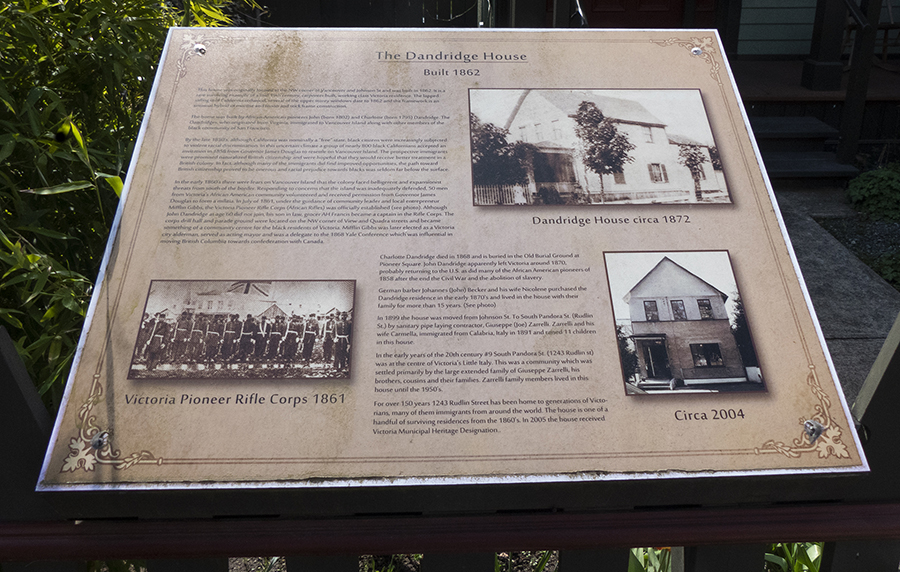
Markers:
point(75, 76)
point(650, 560)
point(51, 306)
point(794, 557)
point(888, 267)
point(877, 192)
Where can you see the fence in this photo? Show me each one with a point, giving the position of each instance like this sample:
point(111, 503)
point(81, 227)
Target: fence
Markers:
point(499, 195)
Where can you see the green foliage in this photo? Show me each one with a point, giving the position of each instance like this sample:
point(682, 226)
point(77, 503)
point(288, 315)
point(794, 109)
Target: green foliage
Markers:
point(526, 561)
point(45, 303)
point(877, 192)
point(794, 557)
point(693, 157)
point(268, 564)
point(117, 566)
point(741, 332)
point(888, 267)
point(626, 353)
point(390, 563)
point(603, 149)
point(650, 560)
point(75, 76)
point(715, 158)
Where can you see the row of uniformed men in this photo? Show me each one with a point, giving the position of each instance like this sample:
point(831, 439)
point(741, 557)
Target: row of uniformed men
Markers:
point(206, 338)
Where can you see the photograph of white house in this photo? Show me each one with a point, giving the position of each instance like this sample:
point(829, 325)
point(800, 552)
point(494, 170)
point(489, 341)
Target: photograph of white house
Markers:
point(560, 146)
point(680, 323)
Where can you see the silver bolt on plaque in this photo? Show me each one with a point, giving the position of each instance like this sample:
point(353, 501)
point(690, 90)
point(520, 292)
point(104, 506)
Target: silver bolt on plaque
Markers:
point(696, 51)
point(813, 429)
point(100, 440)
point(200, 49)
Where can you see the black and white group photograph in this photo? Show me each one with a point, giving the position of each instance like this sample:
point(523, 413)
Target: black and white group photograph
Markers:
point(681, 325)
point(534, 147)
point(245, 329)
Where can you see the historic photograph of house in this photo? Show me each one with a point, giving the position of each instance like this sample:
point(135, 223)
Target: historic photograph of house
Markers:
point(584, 147)
point(680, 323)
point(245, 329)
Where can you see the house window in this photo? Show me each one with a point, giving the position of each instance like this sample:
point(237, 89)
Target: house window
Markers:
point(707, 355)
point(619, 177)
point(651, 311)
point(705, 307)
point(678, 310)
point(538, 132)
point(658, 173)
point(523, 134)
point(557, 131)
point(209, 304)
point(648, 133)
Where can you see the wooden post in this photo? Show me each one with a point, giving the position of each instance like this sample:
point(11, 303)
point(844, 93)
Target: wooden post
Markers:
point(464, 562)
point(728, 22)
point(527, 14)
point(689, 18)
point(561, 13)
point(865, 556)
point(339, 563)
point(26, 425)
point(735, 558)
point(876, 410)
point(823, 70)
point(608, 560)
point(188, 565)
point(858, 86)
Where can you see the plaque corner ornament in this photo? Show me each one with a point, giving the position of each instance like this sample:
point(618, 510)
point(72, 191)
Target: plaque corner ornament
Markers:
point(196, 45)
point(92, 445)
point(702, 47)
point(820, 433)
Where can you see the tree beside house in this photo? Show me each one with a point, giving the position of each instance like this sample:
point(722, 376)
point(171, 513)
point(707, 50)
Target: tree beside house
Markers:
point(602, 147)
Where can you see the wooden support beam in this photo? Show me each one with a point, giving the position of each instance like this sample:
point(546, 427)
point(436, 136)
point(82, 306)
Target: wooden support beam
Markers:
point(858, 86)
point(562, 11)
point(25, 425)
point(58, 540)
point(728, 22)
point(609, 560)
point(823, 70)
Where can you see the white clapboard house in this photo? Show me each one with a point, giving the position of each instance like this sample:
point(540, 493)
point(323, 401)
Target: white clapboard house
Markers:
point(544, 119)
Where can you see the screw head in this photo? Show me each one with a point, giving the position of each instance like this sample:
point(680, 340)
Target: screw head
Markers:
point(100, 440)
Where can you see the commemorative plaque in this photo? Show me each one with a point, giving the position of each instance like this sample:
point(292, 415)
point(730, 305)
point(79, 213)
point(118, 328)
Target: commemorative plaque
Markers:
point(421, 257)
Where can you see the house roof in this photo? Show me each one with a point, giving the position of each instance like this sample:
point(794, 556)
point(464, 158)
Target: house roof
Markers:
point(567, 101)
point(272, 311)
point(666, 264)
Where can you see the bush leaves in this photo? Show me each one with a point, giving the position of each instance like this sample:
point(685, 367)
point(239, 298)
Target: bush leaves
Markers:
point(74, 80)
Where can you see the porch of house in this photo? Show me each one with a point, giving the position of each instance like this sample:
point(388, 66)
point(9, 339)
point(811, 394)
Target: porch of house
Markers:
point(797, 128)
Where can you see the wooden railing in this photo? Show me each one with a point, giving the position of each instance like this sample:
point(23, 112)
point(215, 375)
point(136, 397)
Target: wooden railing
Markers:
point(859, 515)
